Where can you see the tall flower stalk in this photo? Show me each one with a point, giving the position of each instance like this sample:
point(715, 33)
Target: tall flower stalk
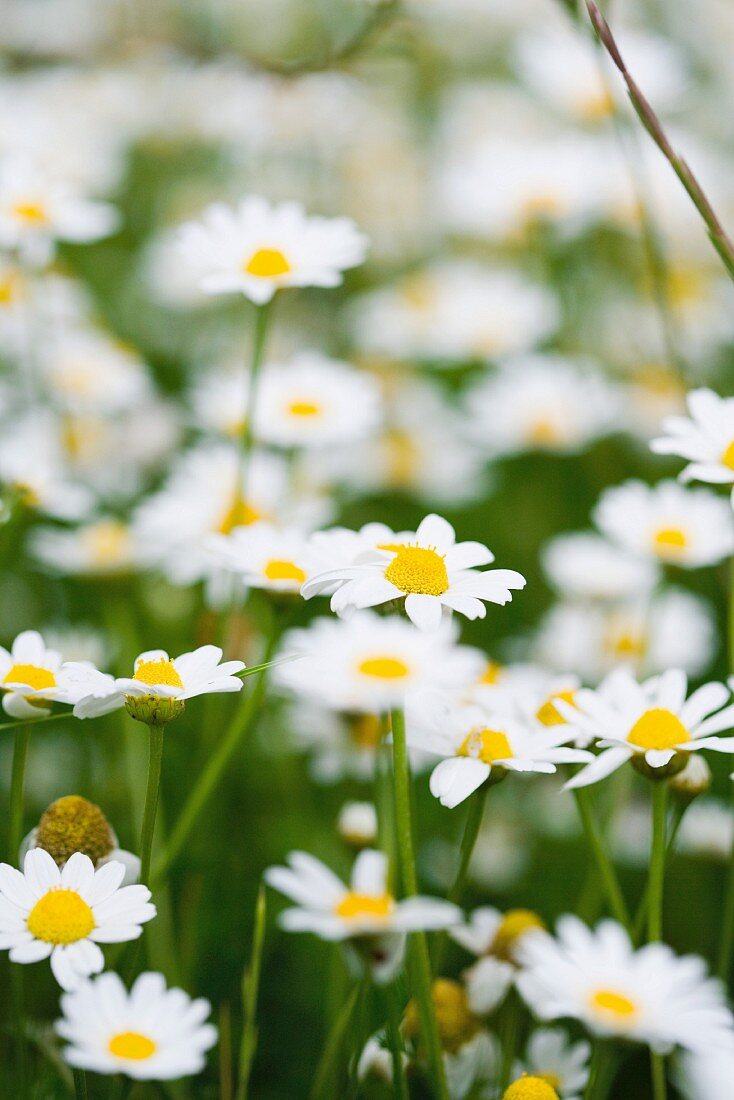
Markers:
point(152, 795)
point(247, 439)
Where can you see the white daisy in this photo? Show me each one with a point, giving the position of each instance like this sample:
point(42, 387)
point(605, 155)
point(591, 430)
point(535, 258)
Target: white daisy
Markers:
point(264, 556)
point(432, 572)
point(495, 938)
point(33, 676)
point(65, 914)
point(705, 437)
point(33, 465)
point(667, 523)
point(357, 823)
point(649, 996)
point(476, 741)
point(563, 1065)
point(368, 663)
point(585, 566)
point(102, 547)
point(256, 249)
point(652, 721)
point(90, 372)
point(375, 1061)
point(701, 1076)
point(150, 1034)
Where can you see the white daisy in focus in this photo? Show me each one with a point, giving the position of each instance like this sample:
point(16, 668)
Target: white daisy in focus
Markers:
point(650, 722)
point(647, 996)
point(65, 914)
point(73, 824)
point(264, 556)
point(149, 1034)
point(432, 572)
point(585, 566)
point(257, 249)
point(495, 938)
point(367, 663)
point(157, 680)
point(542, 402)
point(478, 742)
point(101, 548)
point(705, 438)
point(364, 911)
point(32, 676)
point(563, 1065)
point(667, 523)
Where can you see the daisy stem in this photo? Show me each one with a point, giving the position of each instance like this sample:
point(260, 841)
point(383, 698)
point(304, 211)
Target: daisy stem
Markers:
point(80, 1084)
point(395, 1041)
point(152, 791)
point(250, 986)
point(262, 316)
point(657, 1068)
point(17, 784)
point(604, 865)
point(323, 1080)
point(421, 960)
point(657, 860)
point(640, 916)
point(472, 825)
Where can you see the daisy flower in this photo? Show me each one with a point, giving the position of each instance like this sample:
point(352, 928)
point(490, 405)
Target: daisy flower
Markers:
point(158, 679)
point(478, 742)
point(585, 566)
point(648, 996)
point(73, 824)
point(91, 373)
point(705, 437)
point(650, 722)
point(430, 573)
point(667, 523)
point(368, 663)
point(34, 466)
point(357, 824)
point(562, 1064)
point(264, 556)
point(363, 911)
point(102, 547)
point(33, 676)
point(257, 249)
point(150, 1034)
point(65, 914)
point(495, 939)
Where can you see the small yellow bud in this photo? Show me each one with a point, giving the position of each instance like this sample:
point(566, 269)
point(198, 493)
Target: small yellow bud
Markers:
point(72, 824)
point(530, 1088)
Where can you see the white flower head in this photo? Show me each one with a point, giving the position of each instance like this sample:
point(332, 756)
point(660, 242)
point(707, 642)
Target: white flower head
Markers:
point(103, 547)
point(257, 249)
point(652, 721)
point(650, 995)
point(430, 573)
point(552, 1057)
point(264, 556)
point(495, 939)
point(705, 438)
point(584, 566)
point(65, 914)
point(33, 676)
point(150, 1034)
point(667, 523)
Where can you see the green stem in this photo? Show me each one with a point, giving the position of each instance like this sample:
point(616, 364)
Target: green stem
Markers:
point(250, 987)
point(472, 825)
point(326, 1070)
point(657, 1069)
point(80, 1084)
point(395, 1041)
point(152, 792)
point(421, 960)
point(604, 865)
point(17, 784)
point(247, 440)
point(641, 914)
point(657, 860)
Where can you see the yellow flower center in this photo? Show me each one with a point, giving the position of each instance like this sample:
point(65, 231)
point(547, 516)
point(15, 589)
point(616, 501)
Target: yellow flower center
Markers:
point(549, 714)
point(72, 824)
point(402, 458)
point(239, 514)
point(687, 285)
point(626, 644)
point(513, 926)
point(384, 668)
point(108, 542)
point(32, 675)
point(669, 540)
point(31, 212)
point(281, 570)
point(132, 1045)
point(727, 459)
point(492, 673)
point(156, 672)
point(267, 263)
point(415, 569)
point(304, 409)
point(60, 917)
point(354, 906)
point(543, 431)
point(597, 107)
point(613, 1007)
point(418, 291)
point(658, 729)
point(10, 289)
point(486, 745)
point(456, 1022)
point(530, 1088)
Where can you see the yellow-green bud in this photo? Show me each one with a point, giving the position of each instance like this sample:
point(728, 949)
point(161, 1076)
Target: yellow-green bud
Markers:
point(673, 767)
point(154, 710)
point(695, 779)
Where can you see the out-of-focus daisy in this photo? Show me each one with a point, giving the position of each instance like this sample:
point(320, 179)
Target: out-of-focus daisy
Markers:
point(550, 1056)
point(357, 824)
point(495, 939)
point(476, 742)
point(365, 911)
point(150, 1034)
point(700, 1076)
point(65, 914)
point(375, 1061)
point(707, 830)
point(73, 824)
point(705, 438)
point(666, 522)
point(585, 566)
point(90, 372)
point(368, 663)
point(432, 572)
point(541, 403)
point(33, 676)
point(102, 547)
point(649, 996)
point(652, 721)
point(264, 556)
point(33, 465)
point(256, 249)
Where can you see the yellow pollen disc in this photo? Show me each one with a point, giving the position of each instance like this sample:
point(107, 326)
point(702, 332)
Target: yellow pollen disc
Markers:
point(158, 672)
point(267, 263)
point(304, 409)
point(355, 906)
point(597, 107)
point(32, 212)
point(10, 290)
point(72, 824)
point(132, 1045)
point(415, 569)
point(513, 926)
point(530, 1088)
point(456, 1022)
point(543, 431)
point(59, 917)
point(613, 1006)
point(402, 458)
point(239, 514)
point(549, 714)
point(727, 459)
point(108, 542)
point(277, 570)
point(486, 745)
point(32, 675)
point(669, 540)
point(492, 673)
point(687, 285)
point(539, 207)
point(384, 668)
point(658, 729)
point(627, 645)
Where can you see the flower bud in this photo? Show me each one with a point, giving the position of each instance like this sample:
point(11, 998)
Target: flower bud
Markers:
point(675, 765)
point(154, 710)
point(456, 1022)
point(357, 824)
point(72, 824)
point(695, 779)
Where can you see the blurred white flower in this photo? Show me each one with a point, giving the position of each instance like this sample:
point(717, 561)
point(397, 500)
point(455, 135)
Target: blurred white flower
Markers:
point(101, 547)
point(705, 438)
point(90, 372)
point(264, 556)
point(33, 465)
point(585, 566)
point(357, 823)
point(550, 1055)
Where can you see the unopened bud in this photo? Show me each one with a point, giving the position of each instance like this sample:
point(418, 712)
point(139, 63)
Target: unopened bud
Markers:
point(154, 710)
point(695, 779)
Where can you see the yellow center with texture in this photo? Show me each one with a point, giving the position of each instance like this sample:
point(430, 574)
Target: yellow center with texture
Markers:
point(355, 906)
point(486, 745)
point(530, 1088)
point(132, 1045)
point(32, 675)
point(658, 729)
point(60, 917)
point(267, 263)
point(33, 213)
point(417, 570)
point(156, 672)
